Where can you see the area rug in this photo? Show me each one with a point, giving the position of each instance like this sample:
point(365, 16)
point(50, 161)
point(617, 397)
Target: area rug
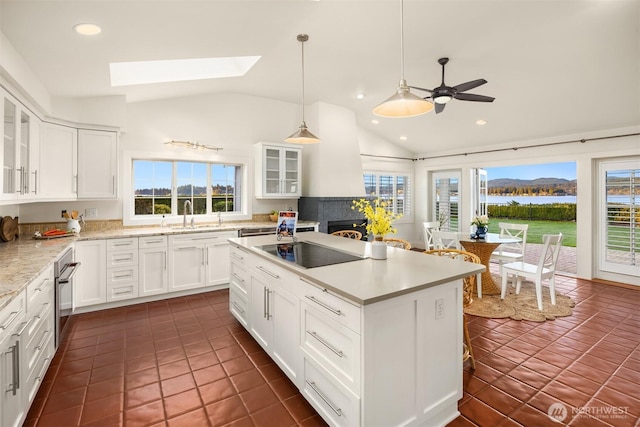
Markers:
point(520, 307)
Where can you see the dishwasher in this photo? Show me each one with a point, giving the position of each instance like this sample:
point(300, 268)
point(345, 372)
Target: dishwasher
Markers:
point(265, 231)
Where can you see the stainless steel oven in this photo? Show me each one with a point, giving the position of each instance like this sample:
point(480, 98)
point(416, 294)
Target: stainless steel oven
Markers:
point(64, 269)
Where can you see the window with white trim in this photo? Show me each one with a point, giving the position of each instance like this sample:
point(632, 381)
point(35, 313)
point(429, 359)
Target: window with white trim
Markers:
point(393, 188)
point(162, 187)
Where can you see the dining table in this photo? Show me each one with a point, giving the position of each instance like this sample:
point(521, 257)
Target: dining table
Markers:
point(483, 248)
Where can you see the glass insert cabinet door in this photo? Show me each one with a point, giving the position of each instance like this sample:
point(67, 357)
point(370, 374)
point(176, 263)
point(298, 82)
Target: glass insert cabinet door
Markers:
point(279, 171)
point(9, 148)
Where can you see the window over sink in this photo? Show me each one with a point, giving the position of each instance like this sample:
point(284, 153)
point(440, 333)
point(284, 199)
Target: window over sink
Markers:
point(161, 187)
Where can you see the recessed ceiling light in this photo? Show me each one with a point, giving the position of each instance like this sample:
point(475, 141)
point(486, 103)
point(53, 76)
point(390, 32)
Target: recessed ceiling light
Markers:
point(361, 95)
point(87, 29)
point(144, 72)
point(481, 122)
point(403, 138)
point(375, 122)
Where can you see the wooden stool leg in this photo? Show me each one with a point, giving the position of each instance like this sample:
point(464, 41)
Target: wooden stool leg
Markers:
point(467, 342)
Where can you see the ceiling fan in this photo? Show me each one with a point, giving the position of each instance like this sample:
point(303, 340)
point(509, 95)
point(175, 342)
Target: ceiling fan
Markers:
point(443, 93)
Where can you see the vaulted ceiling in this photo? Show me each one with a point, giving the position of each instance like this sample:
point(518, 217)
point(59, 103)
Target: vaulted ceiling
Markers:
point(554, 67)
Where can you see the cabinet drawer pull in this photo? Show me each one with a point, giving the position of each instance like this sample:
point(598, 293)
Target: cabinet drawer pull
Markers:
point(338, 411)
point(237, 307)
point(25, 325)
point(154, 241)
point(322, 304)
point(124, 258)
point(236, 256)
point(122, 292)
point(123, 276)
point(123, 244)
point(339, 353)
point(42, 341)
point(39, 288)
point(238, 277)
point(43, 370)
point(184, 248)
point(44, 308)
point(10, 320)
point(15, 368)
point(264, 270)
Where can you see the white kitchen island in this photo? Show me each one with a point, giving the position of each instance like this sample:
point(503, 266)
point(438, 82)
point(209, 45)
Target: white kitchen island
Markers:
point(367, 342)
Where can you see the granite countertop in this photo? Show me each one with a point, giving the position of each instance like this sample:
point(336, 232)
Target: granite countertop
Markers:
point(367, 281)
point(23, 259)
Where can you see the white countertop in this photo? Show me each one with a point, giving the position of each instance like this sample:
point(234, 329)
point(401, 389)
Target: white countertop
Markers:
point(367, 281)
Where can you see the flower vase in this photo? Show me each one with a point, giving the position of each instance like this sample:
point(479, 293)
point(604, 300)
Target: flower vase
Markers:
point(481, 231)
point(378, 248)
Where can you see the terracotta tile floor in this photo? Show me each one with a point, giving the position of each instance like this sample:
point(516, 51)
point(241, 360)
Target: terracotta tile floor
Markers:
point(187, 362)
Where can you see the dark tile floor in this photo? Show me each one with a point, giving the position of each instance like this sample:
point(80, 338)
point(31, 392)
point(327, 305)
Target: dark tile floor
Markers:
point(188, 362)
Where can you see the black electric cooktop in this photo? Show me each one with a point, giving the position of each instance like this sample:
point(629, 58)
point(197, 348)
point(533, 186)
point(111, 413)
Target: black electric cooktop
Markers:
point(308, 255)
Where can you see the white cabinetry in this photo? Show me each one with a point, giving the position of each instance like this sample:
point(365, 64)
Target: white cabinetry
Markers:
point(239, 282)
point(40, 334)
point(122, 269)
point(97, 164)
point(20, 131)
point(198, 259)
point(278, 171)
point(58, 174)
point(12, 326)
point(152, 268)
point(90, 286)
point(274, 315)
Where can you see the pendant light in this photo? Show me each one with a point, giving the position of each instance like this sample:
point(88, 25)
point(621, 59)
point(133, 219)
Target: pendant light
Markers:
point(302, 135)
point(403, 103)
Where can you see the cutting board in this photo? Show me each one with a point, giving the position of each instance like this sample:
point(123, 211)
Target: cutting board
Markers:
point(8, 228)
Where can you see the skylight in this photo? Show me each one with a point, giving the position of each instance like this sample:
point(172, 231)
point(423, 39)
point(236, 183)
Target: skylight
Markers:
point(145, 72)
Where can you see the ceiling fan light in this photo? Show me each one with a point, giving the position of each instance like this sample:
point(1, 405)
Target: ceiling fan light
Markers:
point(442, 99)
point(303, 136)
point(403, 103)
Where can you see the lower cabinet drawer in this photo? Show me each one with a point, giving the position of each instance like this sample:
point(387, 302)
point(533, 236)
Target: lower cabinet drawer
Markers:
point(117, 276)
point(122, 291)
point(240, 276)
point(238, 304)
point(332, 305)
point(332, 345)
point(42, 362)
point(337, 405)
point(37, 347)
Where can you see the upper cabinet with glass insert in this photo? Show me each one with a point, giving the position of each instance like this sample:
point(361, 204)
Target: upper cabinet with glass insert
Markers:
point(278, 171)
point(19, 142)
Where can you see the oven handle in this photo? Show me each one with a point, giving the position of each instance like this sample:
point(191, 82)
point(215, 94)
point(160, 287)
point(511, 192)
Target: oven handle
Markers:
point(68, 272)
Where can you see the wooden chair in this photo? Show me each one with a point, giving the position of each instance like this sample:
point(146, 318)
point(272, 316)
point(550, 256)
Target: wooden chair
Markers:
point(397, 243)
point(544, 270)
point(467, 294)
point(510, 252)
point(446, 239)
point(349, 234)
point(427, 233)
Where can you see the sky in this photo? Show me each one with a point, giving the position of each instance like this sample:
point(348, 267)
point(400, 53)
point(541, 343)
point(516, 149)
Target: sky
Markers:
point(545, 170)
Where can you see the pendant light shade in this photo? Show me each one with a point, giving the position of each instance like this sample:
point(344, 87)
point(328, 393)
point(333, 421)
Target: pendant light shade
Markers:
point(403, 103)
point(302, 135)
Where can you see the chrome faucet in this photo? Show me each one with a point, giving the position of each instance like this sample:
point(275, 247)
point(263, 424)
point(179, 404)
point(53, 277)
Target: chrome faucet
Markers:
point(184, 217)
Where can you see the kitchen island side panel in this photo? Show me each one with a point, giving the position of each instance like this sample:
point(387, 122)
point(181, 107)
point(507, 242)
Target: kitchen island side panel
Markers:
point(412, 358)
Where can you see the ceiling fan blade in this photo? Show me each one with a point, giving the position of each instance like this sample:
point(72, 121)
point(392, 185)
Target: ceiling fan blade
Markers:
point(420, 88)
point(469, 85)
point(439, 107)
point(473, 97)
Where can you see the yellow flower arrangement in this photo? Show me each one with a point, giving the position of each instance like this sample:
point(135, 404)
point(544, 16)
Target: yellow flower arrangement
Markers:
point(379, 218)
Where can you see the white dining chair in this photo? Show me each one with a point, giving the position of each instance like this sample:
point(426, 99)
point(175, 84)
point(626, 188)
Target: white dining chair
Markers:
point(446, 239)
point(427, 233)
point(544, 270)
point(510, 252)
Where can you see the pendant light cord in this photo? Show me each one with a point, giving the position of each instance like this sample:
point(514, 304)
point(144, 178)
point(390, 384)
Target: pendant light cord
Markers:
point(402, 39)
point(302, 42)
